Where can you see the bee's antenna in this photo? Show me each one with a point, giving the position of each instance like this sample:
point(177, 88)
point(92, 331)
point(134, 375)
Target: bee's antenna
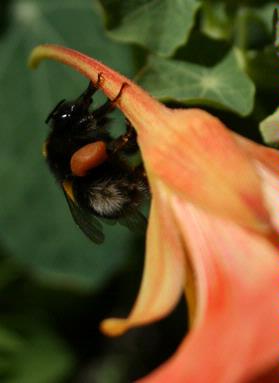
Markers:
point(54, 110)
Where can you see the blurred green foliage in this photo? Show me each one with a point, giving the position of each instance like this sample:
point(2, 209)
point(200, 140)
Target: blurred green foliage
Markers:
point(55, 285)
point(133, 21)
point(209, 86)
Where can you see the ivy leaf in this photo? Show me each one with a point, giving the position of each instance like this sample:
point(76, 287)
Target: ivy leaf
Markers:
point(43, 358)
point(9, 341)
point(159, 25)
point(262, 67)
point(269, 129)
point(215, 21)
point(225, 85)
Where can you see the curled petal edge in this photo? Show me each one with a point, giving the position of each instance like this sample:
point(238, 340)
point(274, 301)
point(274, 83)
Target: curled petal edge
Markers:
point(164, 273)
point(237, 313)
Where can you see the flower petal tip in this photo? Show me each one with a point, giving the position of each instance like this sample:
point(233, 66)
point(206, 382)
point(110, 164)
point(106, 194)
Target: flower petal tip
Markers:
point(113, 326)
point(35, 57)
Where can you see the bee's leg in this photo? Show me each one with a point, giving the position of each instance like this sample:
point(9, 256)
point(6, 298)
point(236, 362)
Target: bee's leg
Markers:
point(130, 136)
point(92, 88)
point(86, 97)
point(109, 105)
point(140, 171)
point(141, 176)
point(126, 143)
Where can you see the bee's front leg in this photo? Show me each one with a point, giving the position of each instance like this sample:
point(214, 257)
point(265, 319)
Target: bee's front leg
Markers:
point(86, 97)
point(109, 105)
point(126, 143)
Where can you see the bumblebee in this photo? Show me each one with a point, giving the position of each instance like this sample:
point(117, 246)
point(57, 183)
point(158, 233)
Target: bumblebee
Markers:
point(92, 167)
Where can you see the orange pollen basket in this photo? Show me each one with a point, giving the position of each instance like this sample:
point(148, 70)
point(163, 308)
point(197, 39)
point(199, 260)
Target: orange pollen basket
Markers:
point(88, 157)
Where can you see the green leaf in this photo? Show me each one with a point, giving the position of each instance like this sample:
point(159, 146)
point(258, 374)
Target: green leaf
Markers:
point(43, 358)
point(265, 14)
point(35, 224)
point(159, 25)
point(215, 20)
point(246, 26)
point(110, 369)
point(193, 53)
point(9, 340)
point(9, 271)
point(224, 85)
point(269, 129)
point(253, 27)
point(262, 67)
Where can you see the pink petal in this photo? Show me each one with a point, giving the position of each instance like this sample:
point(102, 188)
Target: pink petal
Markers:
point(199, 159)
point(236, 333)
point(267, 156)
point(267, 163)
point(164, 273)
point(270, 187)
point(269, 376)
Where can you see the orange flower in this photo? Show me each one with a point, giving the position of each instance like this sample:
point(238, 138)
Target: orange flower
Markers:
point(211, 233)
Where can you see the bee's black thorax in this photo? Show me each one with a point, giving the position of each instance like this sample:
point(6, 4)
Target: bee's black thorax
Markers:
point(61, 144)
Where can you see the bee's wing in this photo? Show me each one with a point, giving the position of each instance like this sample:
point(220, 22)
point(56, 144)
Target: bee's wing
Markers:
point(135, 221)
point(89, 224)
point(108, 221)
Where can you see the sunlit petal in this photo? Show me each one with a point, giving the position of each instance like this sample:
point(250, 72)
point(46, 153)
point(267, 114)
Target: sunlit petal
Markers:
point(164, 272)
point(236, 334)
point(267, 164)
point(270, 186)
point(267, 156)
point(199, 159)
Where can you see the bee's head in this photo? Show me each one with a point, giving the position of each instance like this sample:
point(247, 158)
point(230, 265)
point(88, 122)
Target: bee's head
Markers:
point(68, 113)
point(65, 112)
